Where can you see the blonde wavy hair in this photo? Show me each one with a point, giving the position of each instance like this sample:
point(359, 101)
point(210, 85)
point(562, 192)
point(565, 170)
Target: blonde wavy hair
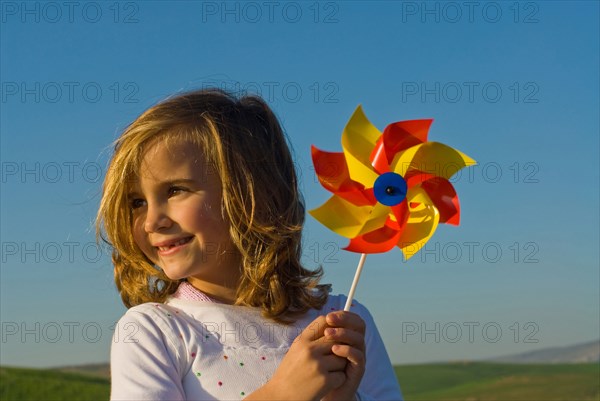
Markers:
point(244, 142)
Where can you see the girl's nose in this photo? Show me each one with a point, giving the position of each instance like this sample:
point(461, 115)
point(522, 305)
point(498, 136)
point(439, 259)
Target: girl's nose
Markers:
point(156, 219)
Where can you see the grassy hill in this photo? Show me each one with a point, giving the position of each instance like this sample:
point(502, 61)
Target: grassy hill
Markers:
point(431, 382)
point(39, 384)
point(578, 353)
point(502, 382)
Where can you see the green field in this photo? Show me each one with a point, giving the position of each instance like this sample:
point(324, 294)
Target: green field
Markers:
point(431, 382)
point(502, 382)
point(38, 384)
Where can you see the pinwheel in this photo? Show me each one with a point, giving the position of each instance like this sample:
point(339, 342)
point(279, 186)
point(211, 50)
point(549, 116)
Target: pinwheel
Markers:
point(390, 189)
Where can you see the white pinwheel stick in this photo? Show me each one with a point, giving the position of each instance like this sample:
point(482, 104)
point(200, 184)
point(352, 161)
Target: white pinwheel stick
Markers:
point(359, 268)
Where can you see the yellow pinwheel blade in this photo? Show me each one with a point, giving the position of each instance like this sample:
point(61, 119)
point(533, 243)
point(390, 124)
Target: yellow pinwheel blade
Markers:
point(349, 220)
point(422, 223)
point(358, 140)
point(431, 157)
point(377, 217)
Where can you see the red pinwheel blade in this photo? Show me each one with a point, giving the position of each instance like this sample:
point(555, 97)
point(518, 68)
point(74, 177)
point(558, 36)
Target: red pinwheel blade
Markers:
point(332, 171)
point(378, 241)
point(385, 238)
point(441, 192)
point(444, 198)
point(396, 137)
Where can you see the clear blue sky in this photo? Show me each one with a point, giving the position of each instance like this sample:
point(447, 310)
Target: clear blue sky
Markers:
point(512, 84)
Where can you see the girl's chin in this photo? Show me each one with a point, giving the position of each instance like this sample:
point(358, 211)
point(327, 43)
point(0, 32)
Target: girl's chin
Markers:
point(175, 277)
point(174, 274)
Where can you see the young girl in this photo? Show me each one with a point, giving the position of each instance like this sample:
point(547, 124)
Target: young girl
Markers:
point(201, 207)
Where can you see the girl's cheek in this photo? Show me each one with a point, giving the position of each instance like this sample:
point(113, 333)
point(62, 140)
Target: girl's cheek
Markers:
point(138, 233)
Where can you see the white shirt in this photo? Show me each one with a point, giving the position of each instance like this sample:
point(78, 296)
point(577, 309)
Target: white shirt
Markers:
point(194, 350)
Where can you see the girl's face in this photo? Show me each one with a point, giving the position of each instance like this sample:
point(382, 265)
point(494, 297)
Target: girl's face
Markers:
point(177, 222)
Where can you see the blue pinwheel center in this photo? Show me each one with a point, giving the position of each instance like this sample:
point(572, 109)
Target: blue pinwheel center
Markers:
point(390, 189)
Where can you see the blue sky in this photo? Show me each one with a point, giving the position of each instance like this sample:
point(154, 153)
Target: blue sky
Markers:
point(515, 85)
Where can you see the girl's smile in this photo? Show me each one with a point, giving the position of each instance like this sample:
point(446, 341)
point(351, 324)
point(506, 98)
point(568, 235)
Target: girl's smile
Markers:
point(177, 221)
point(171, 246)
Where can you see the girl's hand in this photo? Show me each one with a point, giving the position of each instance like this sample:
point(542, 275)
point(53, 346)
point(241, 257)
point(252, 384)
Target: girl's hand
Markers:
point(347, 331)
point(310, 369)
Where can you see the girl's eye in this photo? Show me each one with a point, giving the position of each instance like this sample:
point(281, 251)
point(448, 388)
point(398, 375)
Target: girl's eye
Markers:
point(175, 190)
point(137, 203)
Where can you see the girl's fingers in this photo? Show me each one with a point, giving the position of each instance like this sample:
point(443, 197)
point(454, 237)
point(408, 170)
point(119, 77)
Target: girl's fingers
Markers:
point(314, 330)
point(345, 336)
point(348, 320)
point(337, 379)
point(333, 363)
point(353, 355)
